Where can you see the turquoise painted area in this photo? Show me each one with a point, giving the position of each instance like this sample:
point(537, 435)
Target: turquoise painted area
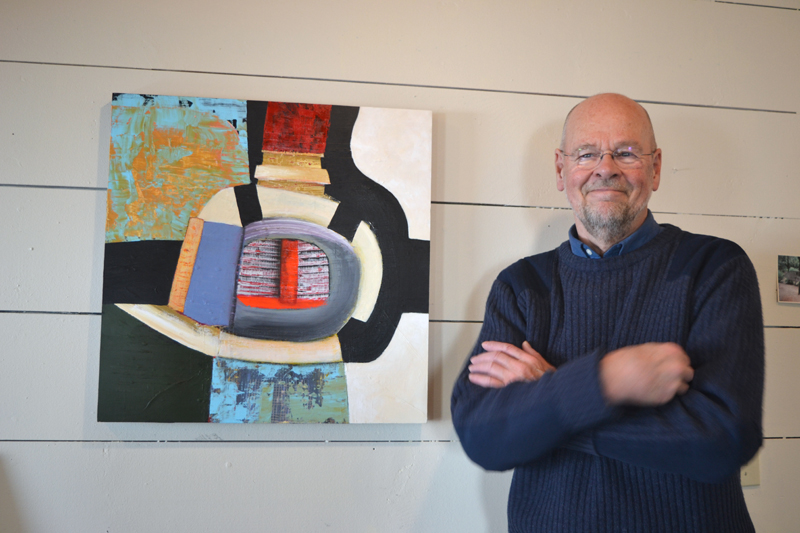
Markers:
point(169, 156)
point(224, 108)
point(246, 392)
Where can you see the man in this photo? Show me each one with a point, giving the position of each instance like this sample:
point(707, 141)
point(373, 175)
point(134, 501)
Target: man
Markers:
point(621, 374)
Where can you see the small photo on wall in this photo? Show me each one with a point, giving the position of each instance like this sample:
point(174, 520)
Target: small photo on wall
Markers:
point(789, 279)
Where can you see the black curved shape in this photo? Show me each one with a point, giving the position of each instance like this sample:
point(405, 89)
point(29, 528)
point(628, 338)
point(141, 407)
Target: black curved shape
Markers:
point(404, 287)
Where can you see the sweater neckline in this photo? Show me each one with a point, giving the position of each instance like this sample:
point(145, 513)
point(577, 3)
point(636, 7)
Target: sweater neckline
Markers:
point(655, 245)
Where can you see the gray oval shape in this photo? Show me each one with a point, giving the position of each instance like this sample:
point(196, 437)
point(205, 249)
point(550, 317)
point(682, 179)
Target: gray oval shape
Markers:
point(300, 325)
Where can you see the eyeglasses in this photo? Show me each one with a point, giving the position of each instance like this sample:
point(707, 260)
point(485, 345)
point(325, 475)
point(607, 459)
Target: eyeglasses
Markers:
point(589, 158)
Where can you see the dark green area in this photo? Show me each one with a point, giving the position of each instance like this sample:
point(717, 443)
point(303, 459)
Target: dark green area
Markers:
point(146, 376)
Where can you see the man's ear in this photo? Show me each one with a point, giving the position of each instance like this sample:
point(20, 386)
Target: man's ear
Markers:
point(656, 169)
point(560, 170)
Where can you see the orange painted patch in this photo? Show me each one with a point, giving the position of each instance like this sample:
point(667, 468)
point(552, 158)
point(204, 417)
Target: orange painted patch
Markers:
point(264, 302)
point(289, 262)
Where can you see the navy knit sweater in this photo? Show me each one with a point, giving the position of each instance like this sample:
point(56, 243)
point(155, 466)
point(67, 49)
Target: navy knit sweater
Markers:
point(582, 465)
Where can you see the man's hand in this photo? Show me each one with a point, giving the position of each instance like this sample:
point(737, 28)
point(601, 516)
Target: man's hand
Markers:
point(504, 363)
point(645, 374)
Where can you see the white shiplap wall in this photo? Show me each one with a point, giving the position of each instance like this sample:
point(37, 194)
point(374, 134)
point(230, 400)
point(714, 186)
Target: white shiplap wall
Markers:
point(723, 82)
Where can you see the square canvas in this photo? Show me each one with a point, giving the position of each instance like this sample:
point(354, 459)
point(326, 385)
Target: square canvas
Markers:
point(265, 262)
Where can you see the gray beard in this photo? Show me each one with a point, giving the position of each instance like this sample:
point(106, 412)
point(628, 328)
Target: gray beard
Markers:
point(610, 226)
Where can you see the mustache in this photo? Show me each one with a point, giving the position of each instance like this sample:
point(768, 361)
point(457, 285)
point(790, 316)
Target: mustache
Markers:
point(613, 184)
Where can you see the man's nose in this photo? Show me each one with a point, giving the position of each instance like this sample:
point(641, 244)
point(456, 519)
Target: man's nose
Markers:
point(606, 165)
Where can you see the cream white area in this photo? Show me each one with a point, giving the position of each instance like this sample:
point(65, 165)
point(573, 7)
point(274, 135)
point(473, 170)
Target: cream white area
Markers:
point(280, 203)
point(393, 147)
point(327, 350)
point(176, 326)
point(365, 244)
point(306, 175)
point(222, 207)
point(393, 388)
point(213, 341)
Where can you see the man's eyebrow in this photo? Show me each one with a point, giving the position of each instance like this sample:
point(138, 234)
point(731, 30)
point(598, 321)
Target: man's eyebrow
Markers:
point(632, 144)
point(585, 146)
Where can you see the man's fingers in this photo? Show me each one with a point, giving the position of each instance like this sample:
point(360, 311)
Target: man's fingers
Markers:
point(506, 348)
point(527, 348)
point(501, 366)
point(485, 380)
point(646, 374)
point(507, 368)
point(527, 353)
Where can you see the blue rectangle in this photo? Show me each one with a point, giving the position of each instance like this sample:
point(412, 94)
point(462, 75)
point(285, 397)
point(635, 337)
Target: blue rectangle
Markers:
point(213, 284)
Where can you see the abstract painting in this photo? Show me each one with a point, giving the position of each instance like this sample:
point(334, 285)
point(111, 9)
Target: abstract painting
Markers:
point(265, 262)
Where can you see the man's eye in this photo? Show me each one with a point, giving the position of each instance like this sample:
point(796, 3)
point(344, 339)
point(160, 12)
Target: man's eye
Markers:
point(586, 156)
point(625, 154)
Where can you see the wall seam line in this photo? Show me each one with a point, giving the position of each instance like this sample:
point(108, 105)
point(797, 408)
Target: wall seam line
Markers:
point(549, 208)
point(226, 441)
point(387, 83)
point(755, 5)
point(71, 187)
point(431, 320)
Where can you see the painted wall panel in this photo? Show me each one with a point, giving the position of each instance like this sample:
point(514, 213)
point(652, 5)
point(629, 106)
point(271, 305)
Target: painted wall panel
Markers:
point(130, 487)
point(189, 487)
point(494, 237)
point(773, 504)
point(781, 395)
point(781, 4)
point(487, 147)
point(695, 53)
point(52, 245)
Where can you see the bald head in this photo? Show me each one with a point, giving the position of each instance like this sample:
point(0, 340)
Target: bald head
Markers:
point(598, 106)
point(608, 196)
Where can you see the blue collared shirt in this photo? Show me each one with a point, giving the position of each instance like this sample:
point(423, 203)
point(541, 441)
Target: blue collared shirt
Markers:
point(637, 239)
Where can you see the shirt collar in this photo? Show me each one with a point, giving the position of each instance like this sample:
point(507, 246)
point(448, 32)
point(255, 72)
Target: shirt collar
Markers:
point(637, 239)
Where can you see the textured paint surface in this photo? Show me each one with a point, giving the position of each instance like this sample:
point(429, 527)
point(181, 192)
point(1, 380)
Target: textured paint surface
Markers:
point(149, 379)
point(243, 392)
point(369, 253)
point(300, 128)
point(213, 341)
point(393, 148)
point(280, 203)
point(310, 323)
point(283, 274)
point(169, 156)
point(183, 272)
point(393, 388)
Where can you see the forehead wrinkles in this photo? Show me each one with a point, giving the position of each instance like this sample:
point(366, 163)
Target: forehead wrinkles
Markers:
point(621, 145)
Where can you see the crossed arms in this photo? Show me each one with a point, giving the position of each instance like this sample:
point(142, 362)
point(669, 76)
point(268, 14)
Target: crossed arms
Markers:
point(692, 406)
